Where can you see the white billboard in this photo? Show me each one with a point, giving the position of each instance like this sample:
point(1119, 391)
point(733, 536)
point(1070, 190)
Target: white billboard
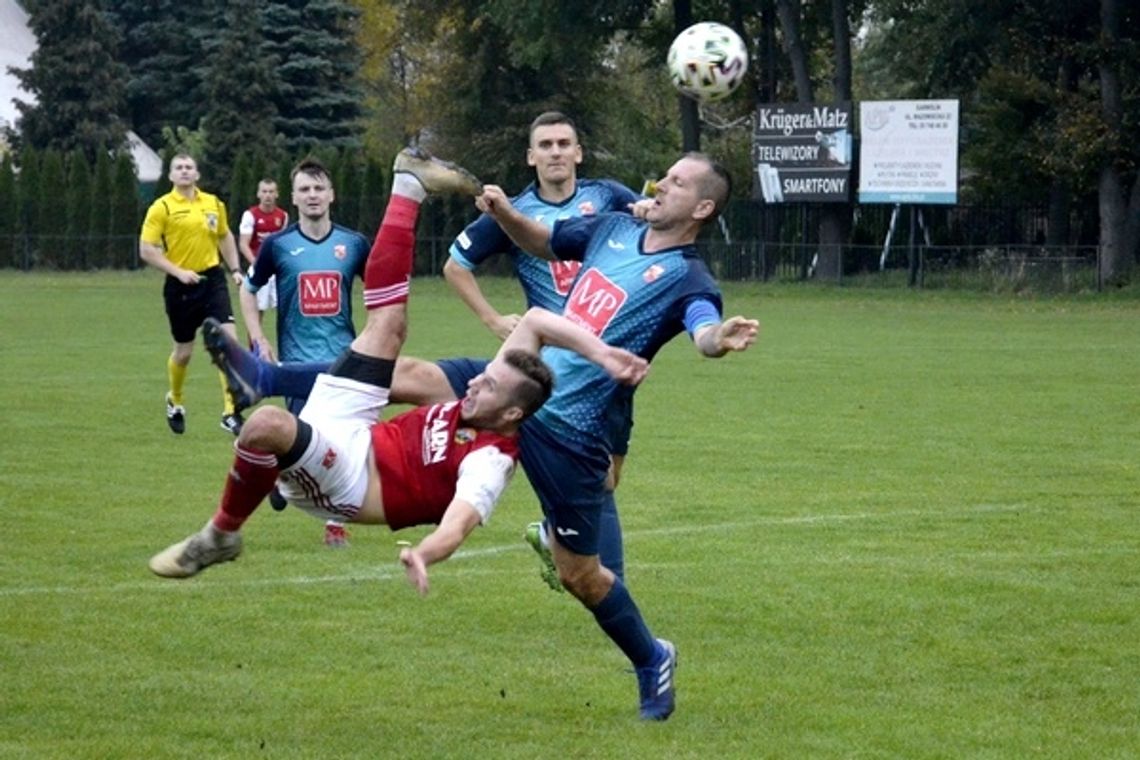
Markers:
point(908, 151)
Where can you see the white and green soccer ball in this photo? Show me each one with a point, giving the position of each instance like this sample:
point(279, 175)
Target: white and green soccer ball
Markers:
point(707, 61)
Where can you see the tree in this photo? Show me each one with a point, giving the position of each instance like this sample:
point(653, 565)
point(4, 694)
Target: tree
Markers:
point(78, 84)
point(243, 185)
point(100, 205)
point(835, 219)
point(1119, 206)
point(8, 213)
point(240, 88)
point(319, 97)
point(163, 50)
point(123, 222)
point(1048, 89)
point(77, 211)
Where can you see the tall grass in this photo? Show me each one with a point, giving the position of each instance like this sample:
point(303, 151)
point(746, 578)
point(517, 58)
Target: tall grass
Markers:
point(904, 525)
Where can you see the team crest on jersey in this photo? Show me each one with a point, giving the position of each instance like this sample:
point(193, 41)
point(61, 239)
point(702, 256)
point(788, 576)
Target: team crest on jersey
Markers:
point(563, 273)
point(212, 221)
point(651, 274)
point(340, 252)
point(329, 459)
point(465, 435)
point(586, 208)
point(594, 301)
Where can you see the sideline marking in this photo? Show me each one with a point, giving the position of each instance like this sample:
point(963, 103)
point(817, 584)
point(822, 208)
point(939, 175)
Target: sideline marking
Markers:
point(395, 572)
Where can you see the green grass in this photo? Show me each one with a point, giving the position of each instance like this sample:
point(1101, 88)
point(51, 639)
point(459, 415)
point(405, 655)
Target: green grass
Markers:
point(904, 525)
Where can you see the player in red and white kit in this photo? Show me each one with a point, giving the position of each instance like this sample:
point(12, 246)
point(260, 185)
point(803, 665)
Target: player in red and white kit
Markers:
point(445, 464)
point(258, 222)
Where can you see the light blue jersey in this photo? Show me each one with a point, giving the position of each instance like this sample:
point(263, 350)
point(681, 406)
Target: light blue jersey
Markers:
point(314, 290)
point(544, 283)
point(634, 300)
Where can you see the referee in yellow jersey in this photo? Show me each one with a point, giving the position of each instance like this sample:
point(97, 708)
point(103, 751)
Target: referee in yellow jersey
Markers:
point(187, 236)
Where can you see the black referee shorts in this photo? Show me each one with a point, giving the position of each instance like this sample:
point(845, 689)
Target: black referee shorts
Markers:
point(187, 306)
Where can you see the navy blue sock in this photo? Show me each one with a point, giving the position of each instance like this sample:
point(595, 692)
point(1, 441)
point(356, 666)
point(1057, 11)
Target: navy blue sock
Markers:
point(619, 617)
point(246, 364)
point(293, 379)
point(610, 550)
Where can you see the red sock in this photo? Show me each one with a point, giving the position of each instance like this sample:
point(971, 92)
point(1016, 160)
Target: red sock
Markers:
point(389, 266)
point(249, 481)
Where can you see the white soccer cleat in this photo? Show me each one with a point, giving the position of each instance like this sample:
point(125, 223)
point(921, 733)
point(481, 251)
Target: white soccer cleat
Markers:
point(436, 175)
point(193, 555)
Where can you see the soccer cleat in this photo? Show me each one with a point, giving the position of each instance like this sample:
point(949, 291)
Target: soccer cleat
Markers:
point(436, 175)
point(175, 416)
point(336, 537)
point(655, 684)
point(199, 551)
point(220, 346)
point(277, 501)
point(231, 423)
point(548, 571)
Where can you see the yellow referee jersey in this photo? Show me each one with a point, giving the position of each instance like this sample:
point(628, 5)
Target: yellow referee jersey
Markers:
point(188, 230)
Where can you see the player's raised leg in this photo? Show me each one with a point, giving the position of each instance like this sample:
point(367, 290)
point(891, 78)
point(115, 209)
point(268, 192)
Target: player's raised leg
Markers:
point(263, 448)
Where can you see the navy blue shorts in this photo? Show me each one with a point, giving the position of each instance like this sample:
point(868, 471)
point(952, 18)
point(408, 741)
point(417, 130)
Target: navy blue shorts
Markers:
point(619, 422)
point(459, 372)
point(570, 482)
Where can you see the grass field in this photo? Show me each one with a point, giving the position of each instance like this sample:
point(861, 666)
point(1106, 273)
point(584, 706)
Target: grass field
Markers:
point(905, 525)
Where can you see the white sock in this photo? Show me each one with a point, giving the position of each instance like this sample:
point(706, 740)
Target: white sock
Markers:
point(407, 185)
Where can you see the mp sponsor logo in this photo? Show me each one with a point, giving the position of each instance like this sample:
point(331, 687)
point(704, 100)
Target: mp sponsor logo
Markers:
point(319, 293)
point(594, 301)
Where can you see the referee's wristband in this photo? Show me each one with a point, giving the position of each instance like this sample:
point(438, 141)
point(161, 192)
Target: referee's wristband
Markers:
point(235, 270)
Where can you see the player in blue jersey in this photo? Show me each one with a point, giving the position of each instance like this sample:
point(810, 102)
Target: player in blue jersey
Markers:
point(314, 262)
point(555, 152)
point(641, 284)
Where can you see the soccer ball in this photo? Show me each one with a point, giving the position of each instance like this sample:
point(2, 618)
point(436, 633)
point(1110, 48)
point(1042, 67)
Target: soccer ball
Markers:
point(707, 61)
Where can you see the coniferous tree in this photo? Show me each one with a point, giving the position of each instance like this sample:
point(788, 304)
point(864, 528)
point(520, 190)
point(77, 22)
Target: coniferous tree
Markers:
point(125, 215)
point(163, 51)
point(50, 205)
point(79, 242)
point(319, 97)
point(240, 86)
point(8, 226)
point(372, 192)
point(27, 190)
point(243, 187)
point(285, 184)
point(100, 218)
point(78, 85)
point(346, 180)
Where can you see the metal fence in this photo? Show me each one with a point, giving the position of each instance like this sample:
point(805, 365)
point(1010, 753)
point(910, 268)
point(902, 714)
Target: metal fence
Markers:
point(927, 248)
point(1066, 269)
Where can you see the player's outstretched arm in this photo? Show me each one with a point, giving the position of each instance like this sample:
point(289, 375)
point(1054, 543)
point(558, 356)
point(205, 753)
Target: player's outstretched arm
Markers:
point(529, 235)
point(540, 327)
point(458, 521)
point(464, 283)
point(733, 334)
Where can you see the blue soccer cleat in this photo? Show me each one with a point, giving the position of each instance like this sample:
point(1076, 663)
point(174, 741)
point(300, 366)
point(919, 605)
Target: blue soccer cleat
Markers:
point(655, 684)
point(238, 366)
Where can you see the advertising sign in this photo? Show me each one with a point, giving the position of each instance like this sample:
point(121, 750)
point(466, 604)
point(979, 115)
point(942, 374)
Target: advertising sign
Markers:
point(908, 151)
point(802, 152)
